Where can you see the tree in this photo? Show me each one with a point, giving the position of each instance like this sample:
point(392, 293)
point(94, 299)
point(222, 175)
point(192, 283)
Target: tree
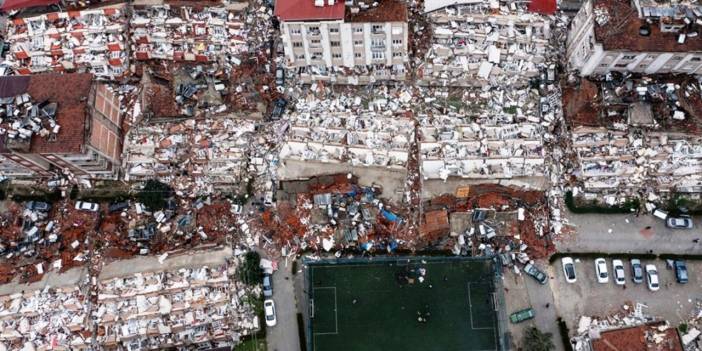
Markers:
point(154, 194)
point(250, 271)
point(535, 340)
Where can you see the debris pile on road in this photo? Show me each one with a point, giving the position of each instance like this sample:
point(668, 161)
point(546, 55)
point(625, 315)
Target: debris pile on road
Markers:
point(89, 39)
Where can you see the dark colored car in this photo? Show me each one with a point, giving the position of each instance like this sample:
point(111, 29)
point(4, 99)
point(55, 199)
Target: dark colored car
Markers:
point(636, 271)
point(540, 276)
point(680, 271)
point(37, 206)
point(118, 206)
point(278, 108)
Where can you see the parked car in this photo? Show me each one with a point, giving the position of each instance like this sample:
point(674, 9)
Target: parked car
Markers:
point(269, 309)
point(636, 271)
point(652, 277)
point(568, 269)
point(118, 206)
point(267, 285)
point(521, 316)
point(37, 206)
point(680, 271)
point(618, 271)
point(540, 276)
point(681, 222)
point(601, 270)
point(279, 76)
point(87, 206)
point(278, 108)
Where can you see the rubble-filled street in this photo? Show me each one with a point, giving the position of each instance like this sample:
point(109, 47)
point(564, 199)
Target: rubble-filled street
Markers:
point(172, 170)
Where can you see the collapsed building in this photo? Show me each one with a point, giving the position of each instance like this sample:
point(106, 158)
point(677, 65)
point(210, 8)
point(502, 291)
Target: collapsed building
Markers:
point(636, 136)
point(352, 42)
point(90, 40)
point(644, 36)
point(59, 122)
point(199, 306)
point(496, 42)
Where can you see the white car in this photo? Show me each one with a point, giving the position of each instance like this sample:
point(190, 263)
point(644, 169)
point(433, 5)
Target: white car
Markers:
point(87, 206)
point(269, 308)
point(568, 269)
point(652, 278)
point(618, 270)
point(601, 270)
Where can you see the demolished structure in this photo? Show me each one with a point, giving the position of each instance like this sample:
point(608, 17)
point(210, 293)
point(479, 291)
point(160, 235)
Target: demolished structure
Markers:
point(92, 40)
point(62, 122)
point(488, 42)
point(644, 36)
point(352, 42)
point(636, 137)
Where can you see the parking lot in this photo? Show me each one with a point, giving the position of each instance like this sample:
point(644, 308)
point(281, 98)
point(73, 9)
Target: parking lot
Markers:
point(673, 302)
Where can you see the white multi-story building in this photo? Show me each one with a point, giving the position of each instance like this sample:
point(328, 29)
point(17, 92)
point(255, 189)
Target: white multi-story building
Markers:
point(643, 36)
point(363, 42)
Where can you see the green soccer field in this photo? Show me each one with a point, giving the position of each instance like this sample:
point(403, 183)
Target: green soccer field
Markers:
point(383, 306)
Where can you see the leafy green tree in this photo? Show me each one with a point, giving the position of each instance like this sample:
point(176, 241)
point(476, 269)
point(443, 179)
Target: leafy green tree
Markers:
point(250, 271)
point(154, 194)
point(535, 340)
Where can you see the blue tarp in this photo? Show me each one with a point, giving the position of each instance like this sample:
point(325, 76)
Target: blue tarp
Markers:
point(391, 216)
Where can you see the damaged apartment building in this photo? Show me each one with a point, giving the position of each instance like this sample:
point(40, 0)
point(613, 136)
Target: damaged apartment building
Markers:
point(54, 123)
point(350, 42)
point(497, 42)
point(473, 127)
point(643, 36)
point(636, 136)
point(90, 40)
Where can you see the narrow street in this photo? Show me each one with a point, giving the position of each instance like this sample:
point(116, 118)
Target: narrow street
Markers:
point(284, 336)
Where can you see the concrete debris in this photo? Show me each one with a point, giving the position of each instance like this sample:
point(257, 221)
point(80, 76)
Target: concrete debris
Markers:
point(91, 39)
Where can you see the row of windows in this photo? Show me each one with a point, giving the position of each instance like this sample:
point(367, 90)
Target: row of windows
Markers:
point(376, 55)
point(334, 43)
point(376, 28)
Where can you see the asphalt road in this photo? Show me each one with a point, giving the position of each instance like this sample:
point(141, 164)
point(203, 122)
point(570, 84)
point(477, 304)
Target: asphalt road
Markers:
point(627, 233)
point(545, 317)
point(284, 336)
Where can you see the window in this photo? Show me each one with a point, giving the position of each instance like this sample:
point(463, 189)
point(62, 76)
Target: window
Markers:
point(677, 58)
point(300, 57)
point(333, 30)
point(628, 57)
point(696, 59)
point(377, 43)
point(316, 56)
point(358, 29)
point(336, 55)
point(334, 43)
point(297, 44)
point(397, 42)
point(315, 42)
point(295, 31)
point(378, 55)
point(396, 54)
point(357, 55)
point(314, 29)
point(358, 42)
point(604, 64)
point(620, 65)
point(377, 28)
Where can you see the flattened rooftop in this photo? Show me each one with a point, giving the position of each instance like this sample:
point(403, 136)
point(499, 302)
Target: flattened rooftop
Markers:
point(621, 31)
point(386, 11)
point(637, 339)
point(305, 10)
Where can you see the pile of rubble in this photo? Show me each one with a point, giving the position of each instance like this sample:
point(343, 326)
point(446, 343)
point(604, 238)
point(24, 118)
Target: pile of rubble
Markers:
point(92, 40)
point(641, 136)
point(44, 320)
point(194, 157)
point(496, 42)
point(184, 33)
point(22, 118)
point(202, 306)
point(487, 133)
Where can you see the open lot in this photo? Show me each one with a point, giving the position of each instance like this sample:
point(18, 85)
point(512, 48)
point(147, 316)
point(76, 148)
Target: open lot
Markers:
point(673, 302)
point(377, 305)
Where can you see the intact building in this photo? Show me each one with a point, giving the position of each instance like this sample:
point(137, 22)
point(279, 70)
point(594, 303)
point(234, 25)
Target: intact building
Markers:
point(59, 122)
point(644, 36)
point(353, 42)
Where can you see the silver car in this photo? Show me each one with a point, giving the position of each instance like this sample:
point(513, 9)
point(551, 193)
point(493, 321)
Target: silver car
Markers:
point(682, 222)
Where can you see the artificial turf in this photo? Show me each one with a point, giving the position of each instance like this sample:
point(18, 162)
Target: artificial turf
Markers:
point(371, 306)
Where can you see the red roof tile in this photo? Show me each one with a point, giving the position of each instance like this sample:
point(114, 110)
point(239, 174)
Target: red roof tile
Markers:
point(304, 10)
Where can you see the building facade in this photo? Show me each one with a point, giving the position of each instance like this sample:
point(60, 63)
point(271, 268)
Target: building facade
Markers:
point(328, 38)
point(644, 36)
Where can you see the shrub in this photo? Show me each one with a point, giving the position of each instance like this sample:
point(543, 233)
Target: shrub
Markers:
point(154, 194)
point(250, 271)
